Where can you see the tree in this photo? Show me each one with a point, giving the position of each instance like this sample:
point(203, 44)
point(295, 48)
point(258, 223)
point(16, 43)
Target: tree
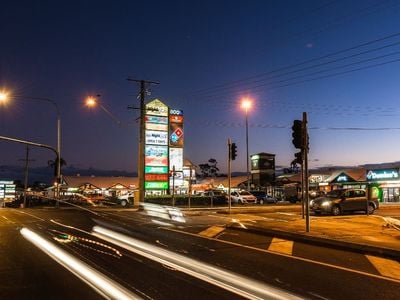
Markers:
point(212, 162)
point(209, 169)
point(53, 164)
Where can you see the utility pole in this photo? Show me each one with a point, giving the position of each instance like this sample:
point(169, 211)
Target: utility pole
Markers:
point(305, 177)
point(141, 134)
point(229, 173)
point(26, 160)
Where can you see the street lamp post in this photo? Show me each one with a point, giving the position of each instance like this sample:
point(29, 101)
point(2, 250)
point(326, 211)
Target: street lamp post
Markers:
point(246, 104)
point(4, 96)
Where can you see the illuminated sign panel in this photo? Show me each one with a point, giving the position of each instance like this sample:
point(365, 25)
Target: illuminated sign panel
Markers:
point(156, 155)
point(156, 108)
point(156, 177)
point(387, 174)
point(153, 126)
point(176, 135)
point(155, 185)
point(176, 112)
point(176, 158)
point(176, 119)
point(156, 120)
point(155, 170)
point(153, 137)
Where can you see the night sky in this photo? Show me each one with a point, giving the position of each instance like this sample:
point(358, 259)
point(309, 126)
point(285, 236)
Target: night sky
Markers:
point(207, 55)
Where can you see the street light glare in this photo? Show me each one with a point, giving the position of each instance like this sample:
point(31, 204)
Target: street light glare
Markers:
point(91, 101)
point(246, 104)
point(3, 96)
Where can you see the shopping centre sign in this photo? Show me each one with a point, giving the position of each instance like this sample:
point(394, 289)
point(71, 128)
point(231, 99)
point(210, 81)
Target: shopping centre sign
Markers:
point(382, 174)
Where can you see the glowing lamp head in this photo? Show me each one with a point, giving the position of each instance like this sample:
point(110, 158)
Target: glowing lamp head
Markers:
point(3, 96)
point(246, 104)
point(91, 101)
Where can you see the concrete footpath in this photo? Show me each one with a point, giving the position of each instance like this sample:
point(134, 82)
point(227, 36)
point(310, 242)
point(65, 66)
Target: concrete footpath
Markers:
point(374, 234)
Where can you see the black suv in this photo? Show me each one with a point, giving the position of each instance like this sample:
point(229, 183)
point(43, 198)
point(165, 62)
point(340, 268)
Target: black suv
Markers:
point(262, 197)
point(339, 201)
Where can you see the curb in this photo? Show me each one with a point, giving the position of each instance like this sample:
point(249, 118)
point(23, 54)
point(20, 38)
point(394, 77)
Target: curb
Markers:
point(318, 241)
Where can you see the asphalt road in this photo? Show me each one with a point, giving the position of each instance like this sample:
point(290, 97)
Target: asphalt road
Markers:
point(150, 260)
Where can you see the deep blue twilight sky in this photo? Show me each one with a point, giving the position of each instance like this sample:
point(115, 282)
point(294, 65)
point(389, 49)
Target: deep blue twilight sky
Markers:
point(202, 52)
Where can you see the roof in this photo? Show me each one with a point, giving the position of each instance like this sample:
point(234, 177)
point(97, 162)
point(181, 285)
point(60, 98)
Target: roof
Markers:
point(100, 181)
point(235, 181)
point(356, 174)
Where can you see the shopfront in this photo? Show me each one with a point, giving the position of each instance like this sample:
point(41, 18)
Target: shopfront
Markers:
point(388, 183)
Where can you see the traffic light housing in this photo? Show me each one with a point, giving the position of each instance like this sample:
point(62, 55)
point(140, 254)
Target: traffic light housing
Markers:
point(233, 151)
point(297, 134)
point(298, 158)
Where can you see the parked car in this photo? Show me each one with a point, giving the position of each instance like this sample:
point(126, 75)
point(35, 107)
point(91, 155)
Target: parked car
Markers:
point(263, 197)
point(218, 196)
point(242, 197)
point(340, 201)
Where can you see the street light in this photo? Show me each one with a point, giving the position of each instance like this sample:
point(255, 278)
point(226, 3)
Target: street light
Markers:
point(246, 105)
point(92, 101)
point(4, 96)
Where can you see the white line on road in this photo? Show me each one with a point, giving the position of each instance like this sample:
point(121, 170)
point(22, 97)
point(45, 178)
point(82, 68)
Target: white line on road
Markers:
point(386, 267)
point(286, 255)
point(281, 246)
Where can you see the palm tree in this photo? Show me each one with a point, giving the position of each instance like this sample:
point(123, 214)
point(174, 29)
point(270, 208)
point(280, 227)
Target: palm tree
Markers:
point(53, 164)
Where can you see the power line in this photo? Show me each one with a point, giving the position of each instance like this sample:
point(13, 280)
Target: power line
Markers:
point(228, 84)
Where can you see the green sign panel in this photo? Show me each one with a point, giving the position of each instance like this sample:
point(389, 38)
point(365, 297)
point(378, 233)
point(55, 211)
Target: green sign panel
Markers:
point(156, 185)
point(156, 170)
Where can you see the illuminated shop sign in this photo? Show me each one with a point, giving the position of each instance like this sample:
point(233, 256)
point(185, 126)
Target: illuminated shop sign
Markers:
point(343, 177)
point(155, 170)
point(156, 177)
point(156, 151)
point(153, 126)
point(156, 120)
point(156, 137)
point(176, 158)
point(176, 135)
point(155, 185)
point(156, 161)
point(156, 108)
point(387, 174)
point(176, 119)
point(176, 112)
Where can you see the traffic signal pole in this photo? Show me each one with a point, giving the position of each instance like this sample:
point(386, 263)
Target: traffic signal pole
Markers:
point(229, 173)
point(305, 153)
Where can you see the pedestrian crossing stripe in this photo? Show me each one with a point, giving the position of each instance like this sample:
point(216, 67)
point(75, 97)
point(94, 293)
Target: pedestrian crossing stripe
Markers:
point(386, 267)
point(212, 231)
point(281, 246)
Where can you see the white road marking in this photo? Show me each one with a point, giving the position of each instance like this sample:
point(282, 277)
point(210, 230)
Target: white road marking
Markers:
point(8, 220)
point(232, 282)
point(212, 231)
point(386, 267)
point(281, 246)
point(288, 256)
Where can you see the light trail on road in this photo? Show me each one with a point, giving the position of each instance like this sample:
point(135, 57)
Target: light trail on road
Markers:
point(229, 281)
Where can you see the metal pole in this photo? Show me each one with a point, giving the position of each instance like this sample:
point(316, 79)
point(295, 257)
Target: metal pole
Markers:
point(190, 185)
point(229, 174)
point(173, 185)
point(302, 185)
point(305, 149)
point(247, 152)
point(26, 174)
point(141, 143)
point(59, 154)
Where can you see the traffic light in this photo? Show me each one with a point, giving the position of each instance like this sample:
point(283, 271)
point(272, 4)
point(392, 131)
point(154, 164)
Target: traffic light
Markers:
point(298, 158)
point(297, 134)
point(233, 151)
